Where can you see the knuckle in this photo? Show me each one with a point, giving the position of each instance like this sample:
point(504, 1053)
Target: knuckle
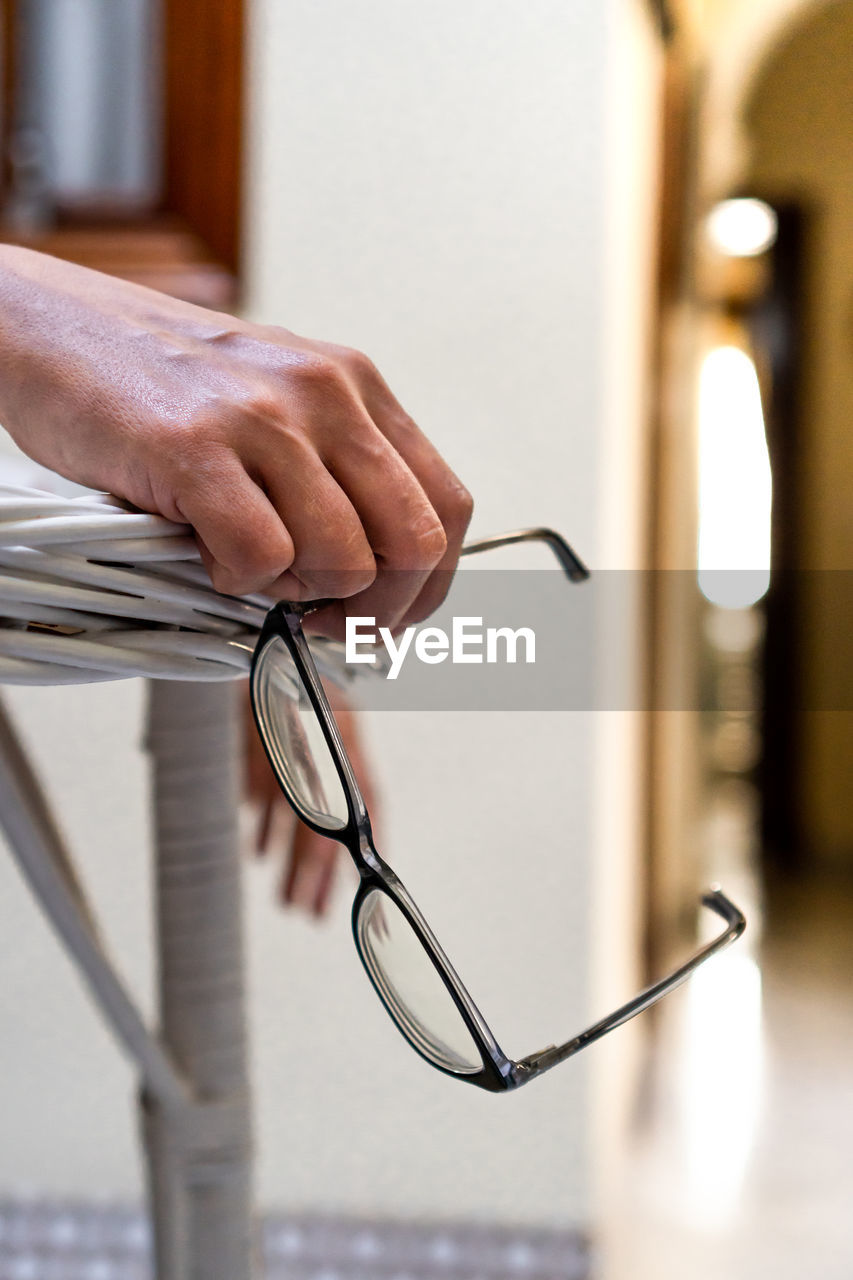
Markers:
point(317, 388)
point(351, 362)
point(258, 405)
point(360, 573)
point(417, 544)
point(344, 567)
point(313, 370)
point(456, 507)
point(428, 541)
point(223, 423)
point(360, 365)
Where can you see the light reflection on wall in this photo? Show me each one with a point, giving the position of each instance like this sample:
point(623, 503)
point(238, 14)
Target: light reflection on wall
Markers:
point(720, 1085)
point(722, 1069)
point(735, 486)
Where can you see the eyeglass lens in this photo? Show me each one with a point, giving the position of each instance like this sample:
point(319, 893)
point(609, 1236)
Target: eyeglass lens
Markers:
point(295, 740)
point(412, 987)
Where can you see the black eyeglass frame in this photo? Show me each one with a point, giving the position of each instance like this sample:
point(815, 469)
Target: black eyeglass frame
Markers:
point(499, 1072)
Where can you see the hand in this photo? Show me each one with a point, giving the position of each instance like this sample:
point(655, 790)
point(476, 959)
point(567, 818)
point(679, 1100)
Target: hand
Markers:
point(310, 861)
point(298, 470)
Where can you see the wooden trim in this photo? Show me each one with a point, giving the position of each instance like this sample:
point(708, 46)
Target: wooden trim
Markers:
point(667, 745)
point(8, 43)
point(190, 245)
point(663, 18)
point(204, 43)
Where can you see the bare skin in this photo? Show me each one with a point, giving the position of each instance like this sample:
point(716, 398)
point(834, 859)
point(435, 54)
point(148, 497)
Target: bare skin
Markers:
point(298, 469)
point(300, 473)
point(311, 861)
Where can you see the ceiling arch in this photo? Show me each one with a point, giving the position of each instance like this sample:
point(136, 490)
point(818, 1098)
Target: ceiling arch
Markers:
point(738, 38)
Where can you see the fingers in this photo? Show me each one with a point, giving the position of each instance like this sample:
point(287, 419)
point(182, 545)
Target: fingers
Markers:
point(322, 486)
point(309, 872)
point(413, 510)
point(301, 539)
point(448, 497)
point(403, 529)
point(310, 860)
point(453, 505)
point(292, 460)
point(243, 540)
point(332, 553)
point(262, 835)
point(403, 594)
point(313, 861)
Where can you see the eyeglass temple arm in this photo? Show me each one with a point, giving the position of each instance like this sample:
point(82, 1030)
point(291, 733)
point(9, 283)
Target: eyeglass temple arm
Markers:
point(571, 562)
point(717, 901)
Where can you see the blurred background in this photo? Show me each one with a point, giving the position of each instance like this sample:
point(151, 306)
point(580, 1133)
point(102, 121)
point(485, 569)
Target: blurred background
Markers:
point(603, 253)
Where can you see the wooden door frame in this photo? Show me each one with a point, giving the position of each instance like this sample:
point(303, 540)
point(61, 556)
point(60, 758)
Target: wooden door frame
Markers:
point(192, 235)
point(671, 757)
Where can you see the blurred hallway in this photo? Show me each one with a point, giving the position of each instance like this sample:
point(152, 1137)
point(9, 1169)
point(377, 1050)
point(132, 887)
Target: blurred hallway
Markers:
point(741, 1162)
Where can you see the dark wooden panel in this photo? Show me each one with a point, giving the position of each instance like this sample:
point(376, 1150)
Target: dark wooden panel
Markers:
point(8, 43)
point(204, 49)
point(778, 324)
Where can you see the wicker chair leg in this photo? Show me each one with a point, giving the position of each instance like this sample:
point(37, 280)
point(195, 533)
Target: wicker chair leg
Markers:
point(199, 1154)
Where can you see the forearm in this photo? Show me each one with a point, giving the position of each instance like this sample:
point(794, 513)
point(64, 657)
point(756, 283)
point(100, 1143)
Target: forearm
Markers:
point(28, 318)
point(66, 334)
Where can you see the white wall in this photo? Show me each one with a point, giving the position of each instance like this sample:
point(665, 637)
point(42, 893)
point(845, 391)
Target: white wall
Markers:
point(426, 182)
point(428, 186)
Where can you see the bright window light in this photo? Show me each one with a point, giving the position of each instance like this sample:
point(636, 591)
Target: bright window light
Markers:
point(735, 485)
point(741, 228)
point(722, 1075)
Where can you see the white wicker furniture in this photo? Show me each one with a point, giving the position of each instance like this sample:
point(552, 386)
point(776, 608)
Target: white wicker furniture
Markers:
point(91, 591)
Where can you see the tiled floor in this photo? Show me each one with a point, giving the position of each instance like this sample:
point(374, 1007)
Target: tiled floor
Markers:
point(41, 1240)
point(742, 1167)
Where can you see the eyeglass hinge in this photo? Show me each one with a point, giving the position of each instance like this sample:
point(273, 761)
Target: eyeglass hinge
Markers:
point(537, 1061)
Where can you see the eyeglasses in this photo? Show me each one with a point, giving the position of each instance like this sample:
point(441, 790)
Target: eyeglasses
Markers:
point(410, 972)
